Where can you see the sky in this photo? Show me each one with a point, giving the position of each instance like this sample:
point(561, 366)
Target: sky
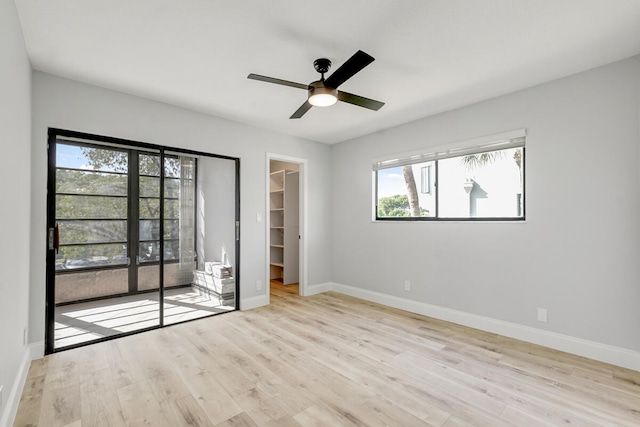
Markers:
point(391, 182)
point(69, 156)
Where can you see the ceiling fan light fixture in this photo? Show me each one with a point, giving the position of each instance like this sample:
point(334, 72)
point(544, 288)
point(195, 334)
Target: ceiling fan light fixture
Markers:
point(324, 93)
point(322, 96)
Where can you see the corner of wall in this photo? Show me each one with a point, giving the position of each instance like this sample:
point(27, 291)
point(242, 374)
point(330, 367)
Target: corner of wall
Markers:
point(13, 400)
point(254, 302)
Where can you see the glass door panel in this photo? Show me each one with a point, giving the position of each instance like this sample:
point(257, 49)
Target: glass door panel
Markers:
point(96, 293)
point(200, 223)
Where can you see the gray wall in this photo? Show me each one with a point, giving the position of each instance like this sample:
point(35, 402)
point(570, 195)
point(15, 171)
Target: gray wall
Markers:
point(71, 105)
point(577, 253)
point(216, 210)
point(15, 119)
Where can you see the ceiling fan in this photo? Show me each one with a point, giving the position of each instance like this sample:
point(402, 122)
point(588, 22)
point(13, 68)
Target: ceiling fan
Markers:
point(323, 93)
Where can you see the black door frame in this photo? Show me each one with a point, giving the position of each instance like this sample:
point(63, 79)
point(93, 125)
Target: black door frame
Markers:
point(53, 134)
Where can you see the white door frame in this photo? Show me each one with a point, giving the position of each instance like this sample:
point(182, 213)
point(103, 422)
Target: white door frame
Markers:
point(303, 249)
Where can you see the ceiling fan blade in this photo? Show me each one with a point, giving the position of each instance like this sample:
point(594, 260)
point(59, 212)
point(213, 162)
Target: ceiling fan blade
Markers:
point(302, 110)
point(360, 101)
point(357, 62)
point(277, 81)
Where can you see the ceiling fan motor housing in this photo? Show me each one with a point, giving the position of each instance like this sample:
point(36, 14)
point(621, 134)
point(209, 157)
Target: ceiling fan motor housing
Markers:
point(321, 95)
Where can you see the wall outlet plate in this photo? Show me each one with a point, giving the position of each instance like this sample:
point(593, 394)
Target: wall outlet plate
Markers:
point(407, 285)
point(543, 315)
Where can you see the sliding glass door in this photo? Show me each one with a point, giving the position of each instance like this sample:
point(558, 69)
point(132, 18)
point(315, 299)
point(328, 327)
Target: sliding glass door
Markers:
point(125, 224)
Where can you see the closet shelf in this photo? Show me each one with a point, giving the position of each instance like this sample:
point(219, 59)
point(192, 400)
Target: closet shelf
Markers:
point(284, 227)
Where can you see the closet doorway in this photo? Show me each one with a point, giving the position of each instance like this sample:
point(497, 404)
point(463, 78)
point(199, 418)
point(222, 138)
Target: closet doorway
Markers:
point(139, 236)
point(286, 220)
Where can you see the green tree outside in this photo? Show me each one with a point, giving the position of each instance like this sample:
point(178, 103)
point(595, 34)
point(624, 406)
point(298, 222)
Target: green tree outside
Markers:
point(396, 206)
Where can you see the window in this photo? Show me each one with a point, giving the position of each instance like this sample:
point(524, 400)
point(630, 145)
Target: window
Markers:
point(149, 202)
point(91, 207)
point(478, 180)
point(94, 200)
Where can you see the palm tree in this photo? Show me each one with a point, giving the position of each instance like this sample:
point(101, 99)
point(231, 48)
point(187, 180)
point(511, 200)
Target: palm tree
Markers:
point(412, 190)
point(474, 161)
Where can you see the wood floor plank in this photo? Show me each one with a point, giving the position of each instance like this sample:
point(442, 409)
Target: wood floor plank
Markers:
point(138, 401)
point(60, 405)
point(325, 360)
point(101, 409)
point(31, 401)
point(216, 403)
point(185, 412)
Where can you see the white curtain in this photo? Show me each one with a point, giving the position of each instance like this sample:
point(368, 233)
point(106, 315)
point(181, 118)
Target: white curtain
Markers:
point(187, 214)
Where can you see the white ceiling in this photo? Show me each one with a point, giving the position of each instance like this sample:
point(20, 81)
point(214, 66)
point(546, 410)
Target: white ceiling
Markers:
point(431, 55)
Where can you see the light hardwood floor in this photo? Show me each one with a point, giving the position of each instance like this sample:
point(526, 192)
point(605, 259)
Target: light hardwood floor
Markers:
point(325, 360)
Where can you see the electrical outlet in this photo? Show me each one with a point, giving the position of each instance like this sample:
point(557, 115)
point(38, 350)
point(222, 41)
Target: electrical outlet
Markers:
point(543, 315)
point(407, 285)
point(259, 285)
point(259, 218)
point(24, 336)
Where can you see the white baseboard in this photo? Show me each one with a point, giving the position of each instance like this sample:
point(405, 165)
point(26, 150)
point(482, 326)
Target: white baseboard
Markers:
point(254, 302)
point(318, 289)
point(590, 349)
point(36, 350)
point(31, 352)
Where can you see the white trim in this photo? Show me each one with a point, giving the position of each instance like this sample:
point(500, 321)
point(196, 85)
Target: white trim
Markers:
point(36, 350)
point(254, 302)
point(593, 350)
point(32, 351)
point(266, 220)
point(319, 288)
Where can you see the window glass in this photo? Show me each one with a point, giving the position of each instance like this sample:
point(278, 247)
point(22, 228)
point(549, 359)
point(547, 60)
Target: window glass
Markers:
point(83, 256)
point(149, 186)
point(90, 207)
point(150, 229)
point(149, 164)
point(149, 208)
point(92, 231)
point(397, 186)
point(172, 187)
point(94, 159)
point(479, 185)
point(89, 182)
point(150, 251)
